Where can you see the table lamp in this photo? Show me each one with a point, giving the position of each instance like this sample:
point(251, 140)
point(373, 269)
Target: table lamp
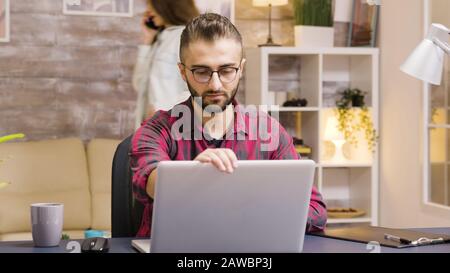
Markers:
point(269, 3)
point(333, 134)
point(426, 62)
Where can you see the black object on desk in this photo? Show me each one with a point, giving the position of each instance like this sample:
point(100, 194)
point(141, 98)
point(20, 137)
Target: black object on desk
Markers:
point(95, 245)
point(397, 238)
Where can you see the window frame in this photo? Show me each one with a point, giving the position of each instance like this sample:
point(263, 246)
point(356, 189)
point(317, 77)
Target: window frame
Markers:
point(427, 125)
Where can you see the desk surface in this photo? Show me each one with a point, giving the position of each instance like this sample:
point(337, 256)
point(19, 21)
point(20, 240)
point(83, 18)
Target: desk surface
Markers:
point(312, 244)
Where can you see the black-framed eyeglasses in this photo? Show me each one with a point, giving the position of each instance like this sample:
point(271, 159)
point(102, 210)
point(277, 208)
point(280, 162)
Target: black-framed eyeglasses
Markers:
point(204, 74)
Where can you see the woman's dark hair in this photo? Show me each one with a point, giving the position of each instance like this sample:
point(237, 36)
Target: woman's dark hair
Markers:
point(175, 12)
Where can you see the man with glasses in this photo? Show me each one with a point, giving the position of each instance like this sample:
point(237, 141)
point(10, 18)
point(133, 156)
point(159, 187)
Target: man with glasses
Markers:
point(212, 64)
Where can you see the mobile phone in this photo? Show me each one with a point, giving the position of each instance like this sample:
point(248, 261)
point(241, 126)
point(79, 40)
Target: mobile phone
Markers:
point(150, 24)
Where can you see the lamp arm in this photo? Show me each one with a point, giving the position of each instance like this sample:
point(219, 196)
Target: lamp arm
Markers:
point(444, 46)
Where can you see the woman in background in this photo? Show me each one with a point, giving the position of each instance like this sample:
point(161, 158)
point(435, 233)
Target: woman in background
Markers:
point(156, 77)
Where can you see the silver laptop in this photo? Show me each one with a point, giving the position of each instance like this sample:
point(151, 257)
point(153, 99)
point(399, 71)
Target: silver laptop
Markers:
point(261, 207)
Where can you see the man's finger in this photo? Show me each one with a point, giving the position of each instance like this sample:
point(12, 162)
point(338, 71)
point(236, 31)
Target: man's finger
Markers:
point(225, 159)
point(217, 162)
point(203, 159)
point(232, 156)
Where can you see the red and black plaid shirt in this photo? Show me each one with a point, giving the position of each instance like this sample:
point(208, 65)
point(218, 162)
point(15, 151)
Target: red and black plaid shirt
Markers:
point(154, 142)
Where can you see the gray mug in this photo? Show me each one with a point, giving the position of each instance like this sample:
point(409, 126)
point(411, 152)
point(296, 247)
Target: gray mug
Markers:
point(47, 223)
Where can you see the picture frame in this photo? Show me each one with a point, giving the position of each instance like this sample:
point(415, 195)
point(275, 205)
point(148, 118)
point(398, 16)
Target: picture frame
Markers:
point(4, 21)
point(118, 8)
point(363, 25)
point(222, 7)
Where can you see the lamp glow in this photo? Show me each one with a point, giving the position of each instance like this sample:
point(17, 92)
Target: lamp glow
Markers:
point(334, 135)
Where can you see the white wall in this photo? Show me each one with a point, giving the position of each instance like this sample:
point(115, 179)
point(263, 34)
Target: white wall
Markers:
point(440, 11)
point(401, 25)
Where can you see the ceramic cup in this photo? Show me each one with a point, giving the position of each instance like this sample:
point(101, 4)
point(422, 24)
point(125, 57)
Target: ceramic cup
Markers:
point(47, 223)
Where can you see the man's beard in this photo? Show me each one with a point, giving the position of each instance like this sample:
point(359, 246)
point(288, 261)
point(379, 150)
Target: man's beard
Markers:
point(229, 99)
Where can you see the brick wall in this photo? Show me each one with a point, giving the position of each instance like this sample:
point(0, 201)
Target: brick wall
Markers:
point(65, 75)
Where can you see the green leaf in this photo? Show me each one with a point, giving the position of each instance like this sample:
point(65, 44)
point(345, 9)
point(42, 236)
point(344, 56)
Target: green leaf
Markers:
point(313, 13)
point(11, 137)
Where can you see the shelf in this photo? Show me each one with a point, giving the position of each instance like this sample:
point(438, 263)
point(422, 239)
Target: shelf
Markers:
point(348, 188)
point(349, 220)
point(346, 71)
point(439, 126)
point(275, 75)
point(294, 109)
point(314, 50)
point(332, 108)
point(357, 156)
point(345, 165)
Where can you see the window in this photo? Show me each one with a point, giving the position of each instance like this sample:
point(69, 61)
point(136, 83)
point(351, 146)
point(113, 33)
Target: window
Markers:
point(437, 120)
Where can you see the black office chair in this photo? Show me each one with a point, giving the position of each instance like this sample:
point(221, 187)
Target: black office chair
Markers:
point(126, 211)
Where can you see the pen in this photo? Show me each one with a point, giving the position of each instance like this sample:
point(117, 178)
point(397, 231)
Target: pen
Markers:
point(397, 239)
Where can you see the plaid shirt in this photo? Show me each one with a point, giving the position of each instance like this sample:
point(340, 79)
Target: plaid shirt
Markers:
point(154, 141)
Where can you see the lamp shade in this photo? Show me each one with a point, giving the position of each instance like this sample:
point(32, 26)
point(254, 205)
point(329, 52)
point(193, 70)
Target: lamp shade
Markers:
point(331, 130)
point(265, 3)
point(427, 60)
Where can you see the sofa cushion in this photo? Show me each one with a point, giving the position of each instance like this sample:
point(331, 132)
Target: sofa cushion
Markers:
point(26, 236)
point(44, 171)
point(100, 153)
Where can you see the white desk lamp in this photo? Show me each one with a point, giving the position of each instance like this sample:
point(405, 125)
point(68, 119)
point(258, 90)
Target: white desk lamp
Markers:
point(269, 3)
point(427, 60)
point(334, 135)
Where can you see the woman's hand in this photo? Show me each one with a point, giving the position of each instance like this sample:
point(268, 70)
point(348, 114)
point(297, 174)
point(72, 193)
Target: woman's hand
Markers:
point(148, 34)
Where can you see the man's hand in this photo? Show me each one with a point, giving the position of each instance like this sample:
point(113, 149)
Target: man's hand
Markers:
point(223, 159)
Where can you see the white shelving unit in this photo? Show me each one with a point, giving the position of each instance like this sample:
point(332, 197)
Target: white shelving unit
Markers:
point(275, 74)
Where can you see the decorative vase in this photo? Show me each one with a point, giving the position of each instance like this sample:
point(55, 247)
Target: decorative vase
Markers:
point(313, 36)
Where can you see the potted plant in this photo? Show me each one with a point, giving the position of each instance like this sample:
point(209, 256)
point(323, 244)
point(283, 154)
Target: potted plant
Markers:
point(313, 23)
point(353, 116)
point(3, 184)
